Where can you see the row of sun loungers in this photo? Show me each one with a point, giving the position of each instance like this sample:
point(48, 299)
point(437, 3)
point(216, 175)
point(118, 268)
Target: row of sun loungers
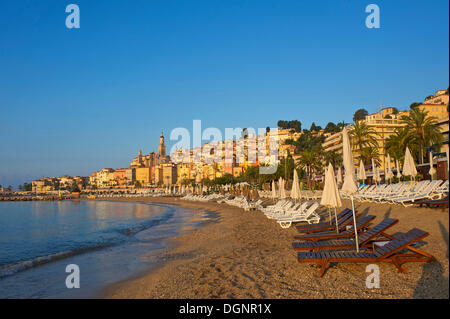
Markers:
point(322, 245)
point(404, 193)
point(286, 212)
point(237, 201)
point(438, 203)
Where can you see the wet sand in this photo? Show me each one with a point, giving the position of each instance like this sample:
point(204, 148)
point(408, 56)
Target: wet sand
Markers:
point(246, 255)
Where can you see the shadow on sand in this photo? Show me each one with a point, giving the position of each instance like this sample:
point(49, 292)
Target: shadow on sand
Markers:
point(432, 283)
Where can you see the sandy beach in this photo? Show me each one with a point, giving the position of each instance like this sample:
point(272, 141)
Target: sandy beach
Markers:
point(246, 255)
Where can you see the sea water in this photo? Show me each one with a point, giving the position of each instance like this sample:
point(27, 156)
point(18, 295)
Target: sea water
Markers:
point(109, 242)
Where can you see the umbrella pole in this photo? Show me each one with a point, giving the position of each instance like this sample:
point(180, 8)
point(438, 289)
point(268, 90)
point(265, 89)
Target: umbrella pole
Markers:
point(354, 224)
point(336, 219)
point(329, 214)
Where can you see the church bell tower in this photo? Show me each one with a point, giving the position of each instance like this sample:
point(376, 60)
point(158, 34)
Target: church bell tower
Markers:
point(162, 147)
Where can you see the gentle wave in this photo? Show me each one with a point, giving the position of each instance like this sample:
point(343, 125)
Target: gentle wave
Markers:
point(153, 222)
point(11, 269)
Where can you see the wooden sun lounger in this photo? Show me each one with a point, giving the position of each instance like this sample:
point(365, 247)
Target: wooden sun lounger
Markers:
point(340, 216)
point(390, 253)
point(365, 239)
point(439, 203)
point(360, 224)
point(347, 220)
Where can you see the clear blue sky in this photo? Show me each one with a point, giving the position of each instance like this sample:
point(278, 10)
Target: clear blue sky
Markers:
point(75, 101)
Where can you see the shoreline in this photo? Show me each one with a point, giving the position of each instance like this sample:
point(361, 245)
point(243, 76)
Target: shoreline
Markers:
point(246, 255)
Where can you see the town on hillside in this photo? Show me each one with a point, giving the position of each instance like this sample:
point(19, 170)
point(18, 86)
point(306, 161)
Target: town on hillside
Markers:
point(374, 136)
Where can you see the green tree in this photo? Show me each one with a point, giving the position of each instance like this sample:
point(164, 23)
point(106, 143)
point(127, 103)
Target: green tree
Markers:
point(314, 127)
point(414, 105)
point(332, 128)
point(364, 138)
point(334, 158)
point(423, 129)
point(370, 152)
point(360, 114)
point(310, 162)
point(74, 188)
point(397, 142)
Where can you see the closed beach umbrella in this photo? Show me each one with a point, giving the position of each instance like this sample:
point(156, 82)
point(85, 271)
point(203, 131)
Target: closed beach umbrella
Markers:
point(282, 191)
point(361, 171)
point(295, 192)
point(389, 173)
point(399, 174)
point(339, 176)
point(376, 174)
point(446, 152)
point(274, 191)
point(349, 186)
point(432, 171)
point(330, 195)
point(409, 167)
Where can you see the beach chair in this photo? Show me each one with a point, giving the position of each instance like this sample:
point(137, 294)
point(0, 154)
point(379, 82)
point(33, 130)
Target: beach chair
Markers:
point(330, 224)
point(361, 224)
point(364, 239)
point(423, 193)
point(289, 211)
point(347, 220)
point(438, 203)
point(307, 216)
point(389, 253)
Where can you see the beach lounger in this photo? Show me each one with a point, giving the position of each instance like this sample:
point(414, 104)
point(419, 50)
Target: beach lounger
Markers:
point(424, 193)
point(364, 239)
point(324, 226)
point(389, 253)
point(360, 225)
point(438, 203)
point(307, 216)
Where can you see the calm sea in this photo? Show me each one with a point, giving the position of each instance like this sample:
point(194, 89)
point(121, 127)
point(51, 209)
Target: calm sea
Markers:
point(109, 241)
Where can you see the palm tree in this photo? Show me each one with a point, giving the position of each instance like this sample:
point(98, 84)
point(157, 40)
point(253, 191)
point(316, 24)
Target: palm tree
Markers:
point(216, 169)
point(397, 142)
point(311, 162)
point(423, 129)
point(334, 158)
point(369, 152)
point(364, 138)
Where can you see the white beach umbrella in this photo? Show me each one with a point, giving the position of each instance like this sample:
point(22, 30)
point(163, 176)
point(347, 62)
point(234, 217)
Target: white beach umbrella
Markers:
point(274, 191)
point(432, 171)
point(339, 176)
point(361, 171)
point(399, 174)
point(330, 194)
point(409, 167)
point(349, 186)
point(295, 192)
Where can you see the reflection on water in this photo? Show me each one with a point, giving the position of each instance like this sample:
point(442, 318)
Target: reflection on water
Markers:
point(110, 241)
